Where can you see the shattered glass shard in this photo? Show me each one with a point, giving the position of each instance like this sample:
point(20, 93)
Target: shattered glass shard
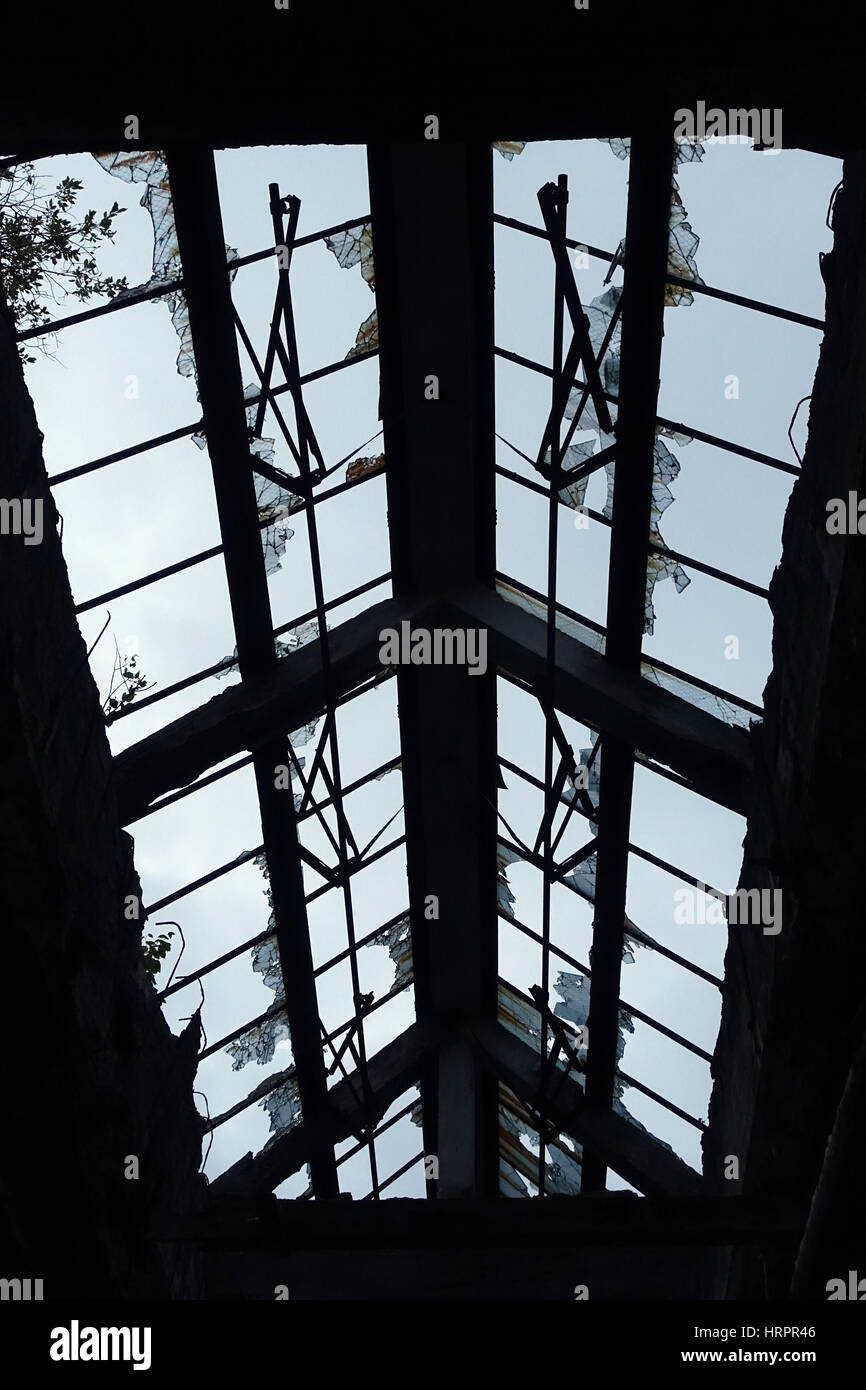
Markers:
point(678, 437)
point(580, 631)
point(149, 167)
point(517, 1015)
point(258, 1043)
point(509, 148)
point(702, 699)
point(518, 1153)
point(620, 146)
point(573, 495)
point(593, 781)
point(504, 895)
point(573, 991)
point(583, 878)
point(398, 940)
point(686, 151)
point(599, 314)
point(283, 1105)
point(682, 242)
point(682, 245)
point(266, 962)
point(365, 468)
point(665, 470)
point(351, 248)
point(666, 467)
point(367, 339)
point(298, 637)
point(274, 502)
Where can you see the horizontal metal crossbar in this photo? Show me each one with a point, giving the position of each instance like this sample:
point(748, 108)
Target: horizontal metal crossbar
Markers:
point(733, 580)
point(695, 286)
point(175, 285)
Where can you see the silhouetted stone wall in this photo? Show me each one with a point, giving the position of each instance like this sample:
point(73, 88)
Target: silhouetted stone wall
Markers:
point(90, 1070)
point(792, 1013)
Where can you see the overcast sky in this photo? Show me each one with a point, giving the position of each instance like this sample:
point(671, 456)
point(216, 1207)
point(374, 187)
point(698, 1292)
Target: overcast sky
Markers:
point(761, 223)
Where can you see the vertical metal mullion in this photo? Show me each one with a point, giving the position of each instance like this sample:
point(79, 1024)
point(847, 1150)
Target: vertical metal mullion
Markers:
point(318, 589)
point(431, 204)
point(198, 220)
point(645, 267)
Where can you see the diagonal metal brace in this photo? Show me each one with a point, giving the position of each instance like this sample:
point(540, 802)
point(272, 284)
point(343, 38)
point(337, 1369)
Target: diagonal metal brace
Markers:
point(548, 197)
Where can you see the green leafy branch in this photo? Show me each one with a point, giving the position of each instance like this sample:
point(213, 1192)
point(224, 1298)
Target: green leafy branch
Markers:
point(155, 948)
point(46, 254)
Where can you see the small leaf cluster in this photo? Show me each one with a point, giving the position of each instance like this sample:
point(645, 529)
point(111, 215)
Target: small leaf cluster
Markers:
point(133, 680)
point(155, 949)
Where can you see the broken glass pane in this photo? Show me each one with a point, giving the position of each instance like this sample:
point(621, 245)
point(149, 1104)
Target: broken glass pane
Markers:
point(519, 1160)
point(682, 247)
point(665, 466)
point(574, 494)
point(258, 1043)
point(583, 878)
point(676, 435)
point(274, 502)
point(283, 1105)
point(398, 940)
point(504, 895)
point(517, 1015)
point(571, 626)
point(687, 151)
point(665, 469)
point(723, 709)
point(365, 467)
point(593, 771)
point(291, 640)
point(149, 167)
point(368, 336)
point(703, 699)
point(619, 146)
point(266, 962)
point(509, 148)
point(573, 991)
point(562, 1175)
point(510, 1182)
point(351, 248)
point(518, 1163)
